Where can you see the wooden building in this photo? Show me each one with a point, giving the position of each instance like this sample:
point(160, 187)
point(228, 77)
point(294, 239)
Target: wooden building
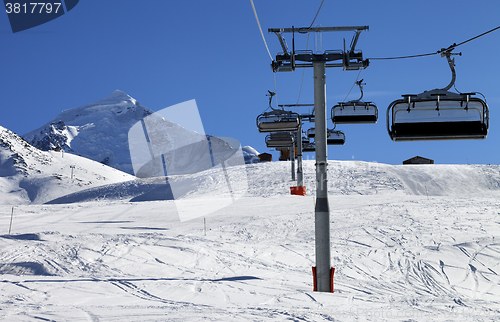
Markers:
point(265, 157)
point(418, 160)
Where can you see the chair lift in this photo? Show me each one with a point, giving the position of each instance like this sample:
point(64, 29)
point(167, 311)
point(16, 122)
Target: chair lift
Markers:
point(309, 147)
point(277, 120)
point(279, 140)
point(335, 138)
point(438, 114)
point(355, 112)
point(311, 133)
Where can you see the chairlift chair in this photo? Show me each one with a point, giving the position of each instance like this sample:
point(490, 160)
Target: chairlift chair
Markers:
point(335, 138)
point(278, 120)
point(311, 133)
point(279, 139)
point(438, 114)
point(309, 147)
point(355, 112)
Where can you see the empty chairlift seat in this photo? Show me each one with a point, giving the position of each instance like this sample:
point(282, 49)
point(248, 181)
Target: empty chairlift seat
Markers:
point(335, 138)
point(332, 138)
point(311, 133)
point(308, 147)
point(438, 115)
point(279, 140)
point(278, 120)
point(354, 112)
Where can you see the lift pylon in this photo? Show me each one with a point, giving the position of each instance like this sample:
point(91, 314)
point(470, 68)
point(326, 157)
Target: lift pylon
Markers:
point(350, 59)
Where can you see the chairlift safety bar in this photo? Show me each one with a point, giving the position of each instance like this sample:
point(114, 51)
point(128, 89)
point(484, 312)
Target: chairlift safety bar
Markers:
point(293, 105)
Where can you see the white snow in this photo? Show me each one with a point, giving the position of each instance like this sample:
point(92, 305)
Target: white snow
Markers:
point(28, 175)
point(409, 243)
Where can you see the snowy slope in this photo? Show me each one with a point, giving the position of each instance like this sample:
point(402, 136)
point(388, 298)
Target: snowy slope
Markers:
point(250, 154)
point(400, 253)
point(344, 178)
point(28, 175)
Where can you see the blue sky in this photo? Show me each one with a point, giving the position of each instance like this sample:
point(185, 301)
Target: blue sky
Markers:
point(167, 52)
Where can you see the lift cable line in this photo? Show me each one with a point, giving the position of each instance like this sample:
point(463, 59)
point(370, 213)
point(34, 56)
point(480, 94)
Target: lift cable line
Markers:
point(307, 47)
point(353, 85)
point(267, 48)
point(303, 72)
point(316, 16)
point(471, 39)
point(441, 51)
point(261, 33)
point(404, 57)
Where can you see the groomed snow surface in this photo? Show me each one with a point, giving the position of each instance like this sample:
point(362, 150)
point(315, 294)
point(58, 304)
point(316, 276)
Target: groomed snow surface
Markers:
point(409, 243)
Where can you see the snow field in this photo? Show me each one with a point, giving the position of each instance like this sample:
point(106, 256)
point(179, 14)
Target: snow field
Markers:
point(401, 253)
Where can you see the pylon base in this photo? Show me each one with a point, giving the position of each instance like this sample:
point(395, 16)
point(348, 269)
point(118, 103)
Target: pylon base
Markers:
point(332, 271)
point(299, 191)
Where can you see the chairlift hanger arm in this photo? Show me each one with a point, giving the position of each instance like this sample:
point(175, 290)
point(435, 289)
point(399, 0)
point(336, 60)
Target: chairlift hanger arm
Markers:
point(451, 63)
point(360, 84)
point(271, 95)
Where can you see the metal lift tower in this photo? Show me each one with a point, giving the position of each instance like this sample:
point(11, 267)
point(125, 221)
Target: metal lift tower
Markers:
point(349, 59)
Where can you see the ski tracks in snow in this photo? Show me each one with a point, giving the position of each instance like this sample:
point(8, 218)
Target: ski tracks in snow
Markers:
point(433, 256)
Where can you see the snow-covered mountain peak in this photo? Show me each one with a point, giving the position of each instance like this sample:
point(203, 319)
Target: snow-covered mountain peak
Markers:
point(118, 105)
point(97, 130)
point(116, 101)
point(120, 95)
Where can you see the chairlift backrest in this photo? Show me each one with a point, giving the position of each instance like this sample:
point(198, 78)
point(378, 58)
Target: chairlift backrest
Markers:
point(278, 120)
point(354, 112)
point(438, 115)
point(279, 139)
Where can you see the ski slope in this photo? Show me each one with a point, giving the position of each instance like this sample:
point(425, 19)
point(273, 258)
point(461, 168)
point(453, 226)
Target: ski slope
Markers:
point(409, 243)
point(29, 175)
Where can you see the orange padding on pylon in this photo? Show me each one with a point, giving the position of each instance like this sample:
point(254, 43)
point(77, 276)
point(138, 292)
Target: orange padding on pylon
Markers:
point(332, 271)
point(299, 191)
point(314, 279)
